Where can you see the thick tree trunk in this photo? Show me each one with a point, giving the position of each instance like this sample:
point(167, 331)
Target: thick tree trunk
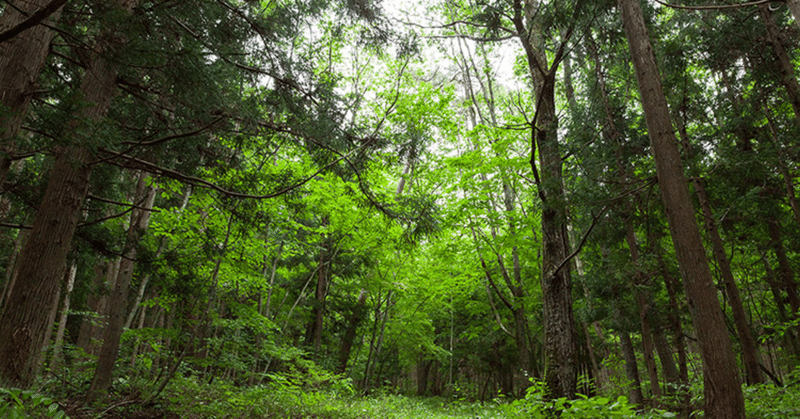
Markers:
point(140, 220)
point(21, 60)
point(43, 259)
point(722, 389)
point(42, 263)
point(560, 342)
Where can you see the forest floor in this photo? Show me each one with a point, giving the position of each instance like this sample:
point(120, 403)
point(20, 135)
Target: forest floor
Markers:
point(186, 398)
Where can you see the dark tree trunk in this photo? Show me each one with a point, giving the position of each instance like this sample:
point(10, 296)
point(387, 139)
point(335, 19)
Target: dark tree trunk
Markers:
point(671, 374)
point(42, 261)
point(784, 61)
point(21, 60)
point(350, 333)
point(750, 354)
point(631, 369)
point(560, 341)
point(140, 219)
point(722, 387)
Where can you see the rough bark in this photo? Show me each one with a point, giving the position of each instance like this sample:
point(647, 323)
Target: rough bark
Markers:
point(42, 263)
point(21, 60)
point(43, 259)
point(140, 220)
point(722, 386)
point(560, 341)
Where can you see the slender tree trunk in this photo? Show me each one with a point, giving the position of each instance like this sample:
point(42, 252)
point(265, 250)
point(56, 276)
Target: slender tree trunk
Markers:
point(722, 387)
point(350, 333)
point(785, 272)
point(750, 354)
point(21, 60)
point(105, 276)
point(671, 374)
point(58, 344)
point(787, 75)
point(140, 219)
point(631, 369)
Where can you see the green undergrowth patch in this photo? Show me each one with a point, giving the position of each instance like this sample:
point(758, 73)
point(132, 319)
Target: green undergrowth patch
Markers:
point(281, 399)
point(767, 401)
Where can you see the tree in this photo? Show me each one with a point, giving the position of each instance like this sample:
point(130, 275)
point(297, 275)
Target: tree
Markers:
point(722, 390)
point(21, 60)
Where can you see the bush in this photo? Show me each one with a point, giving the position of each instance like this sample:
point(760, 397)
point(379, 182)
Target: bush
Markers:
point(16, 403)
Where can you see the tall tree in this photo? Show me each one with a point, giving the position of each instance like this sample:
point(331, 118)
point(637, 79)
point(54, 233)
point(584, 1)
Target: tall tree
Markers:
point(722, 386)
point(560, 346)
point(42, 262)
point(21, 60)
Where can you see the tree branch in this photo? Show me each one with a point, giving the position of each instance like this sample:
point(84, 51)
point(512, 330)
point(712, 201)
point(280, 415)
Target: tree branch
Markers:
point(719, 7)
point(595, 218)
point(32, 20)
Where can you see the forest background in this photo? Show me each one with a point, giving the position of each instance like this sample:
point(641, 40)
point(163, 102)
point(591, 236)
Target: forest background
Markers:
point(237, 208)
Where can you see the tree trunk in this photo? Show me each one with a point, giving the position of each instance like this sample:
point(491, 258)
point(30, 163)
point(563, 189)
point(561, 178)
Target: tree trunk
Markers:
point(105, 276)
point(140, 219)
point(722, 387)
point(787, 75)
point(58, 344)
point(350, 334)
point(560, 342)
point(42, 263)
point(671, 374)
point(748, 344)
point(43, 259)
point(21, 60)
point(631, 369)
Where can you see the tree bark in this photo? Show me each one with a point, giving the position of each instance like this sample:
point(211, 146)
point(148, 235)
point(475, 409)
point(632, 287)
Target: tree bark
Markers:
point(43, 259)
point(560, 342)
point(722, 387)
point(748, 344)
point(21, 60)
point(140, 220)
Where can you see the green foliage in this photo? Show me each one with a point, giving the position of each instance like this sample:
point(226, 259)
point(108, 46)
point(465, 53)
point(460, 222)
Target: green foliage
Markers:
point(17, 404)
point(534, 405)
point(767, 401)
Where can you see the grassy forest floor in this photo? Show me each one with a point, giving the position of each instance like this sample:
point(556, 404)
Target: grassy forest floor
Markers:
point(187, 398)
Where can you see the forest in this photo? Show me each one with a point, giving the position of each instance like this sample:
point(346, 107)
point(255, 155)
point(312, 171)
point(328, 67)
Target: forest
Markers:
point(362, 209)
